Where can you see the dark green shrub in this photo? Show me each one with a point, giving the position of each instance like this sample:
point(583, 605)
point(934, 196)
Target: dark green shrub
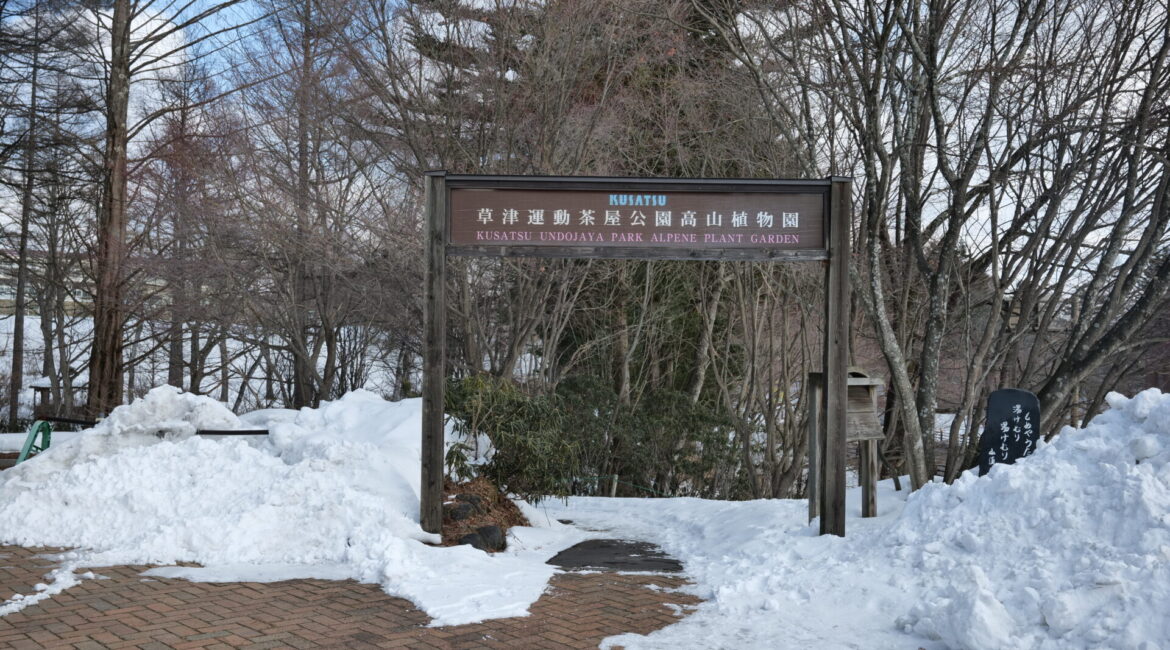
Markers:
point(532, 457)
point(571, 442)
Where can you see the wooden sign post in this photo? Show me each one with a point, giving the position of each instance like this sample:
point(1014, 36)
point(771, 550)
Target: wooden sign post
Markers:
point(640, 218)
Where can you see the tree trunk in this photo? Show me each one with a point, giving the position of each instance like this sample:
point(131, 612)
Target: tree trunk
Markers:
point(175, 351)
point(622, 357)
point(873, 294)
point(703, 353)
point(26, 199)
point(197, 366)
point(303, 370)
point(224, 371)
point(105, 362)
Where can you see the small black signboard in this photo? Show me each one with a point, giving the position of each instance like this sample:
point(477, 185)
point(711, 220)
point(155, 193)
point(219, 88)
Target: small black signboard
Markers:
point(1012, 429)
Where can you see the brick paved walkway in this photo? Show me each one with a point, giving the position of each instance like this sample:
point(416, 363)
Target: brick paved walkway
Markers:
point(127, 611)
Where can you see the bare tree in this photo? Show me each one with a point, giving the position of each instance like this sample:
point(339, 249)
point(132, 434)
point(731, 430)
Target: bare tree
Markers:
point(26, 206)
point(995, 149)
point(142, 41)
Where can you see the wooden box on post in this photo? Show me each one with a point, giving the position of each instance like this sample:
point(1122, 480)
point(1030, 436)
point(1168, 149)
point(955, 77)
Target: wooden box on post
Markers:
point(863, 428)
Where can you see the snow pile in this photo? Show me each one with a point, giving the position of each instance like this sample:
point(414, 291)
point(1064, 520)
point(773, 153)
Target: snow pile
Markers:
point(164, 413)
point(1069, 548)
point(11, 443)
point(332, 492)
point(167, 411)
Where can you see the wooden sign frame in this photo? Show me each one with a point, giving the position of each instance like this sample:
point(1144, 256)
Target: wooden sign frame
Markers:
point(505, 236)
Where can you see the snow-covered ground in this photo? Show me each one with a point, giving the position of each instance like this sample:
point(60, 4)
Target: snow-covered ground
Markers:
point(1069, 548)
point(332, 492)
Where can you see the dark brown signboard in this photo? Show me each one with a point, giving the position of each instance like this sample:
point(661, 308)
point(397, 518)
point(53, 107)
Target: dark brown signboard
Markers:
point(636, 218)
point(574, 218)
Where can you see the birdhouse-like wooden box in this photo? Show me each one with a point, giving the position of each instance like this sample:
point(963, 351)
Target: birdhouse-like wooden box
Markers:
point(862, 408)
point(861, 426)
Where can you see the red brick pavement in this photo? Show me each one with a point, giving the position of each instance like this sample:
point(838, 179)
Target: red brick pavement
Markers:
point(124, 610)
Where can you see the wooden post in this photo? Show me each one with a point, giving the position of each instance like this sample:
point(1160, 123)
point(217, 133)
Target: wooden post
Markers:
point(870, 470)
point(868, 460)
point(836, 362)
point(815, 420)
point(434, 353)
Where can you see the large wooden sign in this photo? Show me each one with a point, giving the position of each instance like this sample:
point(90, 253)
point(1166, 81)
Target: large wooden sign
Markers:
point(563, 222)
point(534, 216)
point(641, 218)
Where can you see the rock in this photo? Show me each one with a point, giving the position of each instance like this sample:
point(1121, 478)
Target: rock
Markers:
point(474, 500)
point(457, 511)
point(493, 538)
point(474, 540)
point(486, 538)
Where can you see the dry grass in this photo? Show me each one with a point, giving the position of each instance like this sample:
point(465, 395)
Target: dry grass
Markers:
point(500, 511)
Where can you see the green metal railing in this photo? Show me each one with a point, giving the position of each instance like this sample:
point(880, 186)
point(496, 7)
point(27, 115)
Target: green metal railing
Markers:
point(39, 429)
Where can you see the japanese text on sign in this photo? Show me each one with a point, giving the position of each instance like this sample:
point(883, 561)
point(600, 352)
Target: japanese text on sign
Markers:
point(763, 220)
